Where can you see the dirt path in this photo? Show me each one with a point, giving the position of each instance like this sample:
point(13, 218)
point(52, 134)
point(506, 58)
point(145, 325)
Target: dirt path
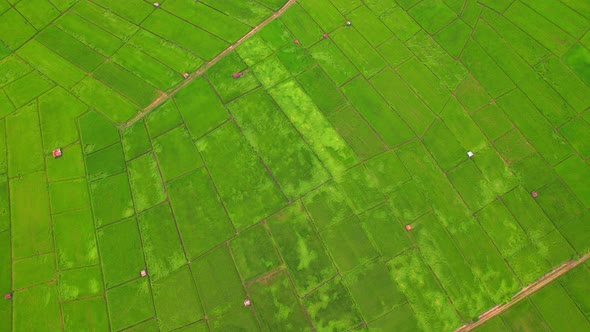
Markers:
point(524, 293)
point(208, 65)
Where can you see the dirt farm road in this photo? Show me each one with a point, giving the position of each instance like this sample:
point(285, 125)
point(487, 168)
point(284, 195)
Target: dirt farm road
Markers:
point(525, 292)
point(200, 71)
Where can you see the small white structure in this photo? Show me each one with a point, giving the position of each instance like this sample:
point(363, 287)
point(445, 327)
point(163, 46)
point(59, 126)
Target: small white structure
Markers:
point(348, 23)
point(143, 273)
point(156, 4)
point(247, 303)
point(469, 154)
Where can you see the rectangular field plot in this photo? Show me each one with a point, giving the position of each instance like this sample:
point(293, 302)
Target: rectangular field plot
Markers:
point(106, 162)
point(88, 312)
point(301, 25)
point(221, 78)
point(111, 199)
point(33, 270)
point(30, 215)
point(120, 252)
point(361, 187)
point(57, 111)
point(70, 48)
point(373, 290)
point(254, 253)
point(127, 84)
point(176, 153)
point(403, 100)
point(385, 231)
point(172, 28)
point(168, 53)
point(75, 244)
point(104, 100)
point(147, 68)
point(349, 245)
point(457, 277)
point(200, 107)
point(40, 302)
point(199, 213)
point(270, 133)
point(17, 29)
point(23, 141)
point(576, 175)
point(377, 112)
point(371, 27)
point(311, 265)
point(68, 195)
point(27, 88)
point(558, 309)
point(247, 198)
point(327, 205)
point(322, 91)
point(161, 245)
point(218, 282)
point(163, 119)
point(145, 181)
point(130, 303)
point(176, 300)
point(425, 84)
point(333, 61)
point(351, 42)
point(444, 146)
point(75, 284)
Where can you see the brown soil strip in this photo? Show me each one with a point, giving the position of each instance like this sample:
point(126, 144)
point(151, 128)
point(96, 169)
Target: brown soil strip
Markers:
point(208, 65)
point(524, 293)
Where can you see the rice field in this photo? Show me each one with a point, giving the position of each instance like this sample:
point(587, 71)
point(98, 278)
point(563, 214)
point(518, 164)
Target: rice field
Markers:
point(303, 165)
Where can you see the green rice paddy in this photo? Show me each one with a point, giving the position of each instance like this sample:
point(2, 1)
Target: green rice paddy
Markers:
point(273, 188)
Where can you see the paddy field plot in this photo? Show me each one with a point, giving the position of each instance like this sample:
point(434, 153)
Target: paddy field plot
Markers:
point(313, 176)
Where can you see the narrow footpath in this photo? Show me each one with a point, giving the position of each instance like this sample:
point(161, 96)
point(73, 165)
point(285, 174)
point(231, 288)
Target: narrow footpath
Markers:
point(524, 293)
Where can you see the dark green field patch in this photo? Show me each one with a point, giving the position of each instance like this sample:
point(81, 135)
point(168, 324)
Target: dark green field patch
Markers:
point(126, 83)
point(145, 181)
point(70, 48)
point(176, 153)
point(389, 171)
point(105, 162)
point(578, 58)
point(533, 172)
point(176, 300)
point(111, 199)
point(495, 170)
point(559, 203)
point(577, 132)
point(199, 213)
point(463, 127)
point(471, 94)
point(218, 282)
point(161, 245)
point(75, 244)
point(528, 214)
point(361, 187)
point(322, 91)
point(296, 59)
point(502, 228)
point(558, 309)
point(444, 146)
point(473, 187)
point(130, 304)
point(408, 202)
point(373, 290)
point(454, 37)
point(523, 315)
point(96, 132)
point(301, 25)
point(254, 253)
point(120, 253)
point(432, 15)
point(513, 147)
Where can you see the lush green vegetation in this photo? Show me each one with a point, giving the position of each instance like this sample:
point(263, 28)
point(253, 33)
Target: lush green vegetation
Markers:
point(291, 186)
